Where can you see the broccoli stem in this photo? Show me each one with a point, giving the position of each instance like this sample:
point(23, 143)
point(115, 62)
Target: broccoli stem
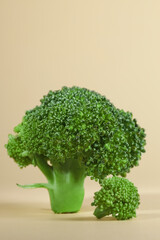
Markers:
point(100, 213)
point(35, 185)
point(68, 191)
point(66, 185)
point(45, 168)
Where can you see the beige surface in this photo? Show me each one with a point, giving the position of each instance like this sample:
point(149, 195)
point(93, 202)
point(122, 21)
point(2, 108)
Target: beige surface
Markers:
point(111, 47)
point(31, 220)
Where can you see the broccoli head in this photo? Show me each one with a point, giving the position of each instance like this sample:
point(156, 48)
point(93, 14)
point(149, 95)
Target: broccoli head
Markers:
point(72, 134)
point(117, 197)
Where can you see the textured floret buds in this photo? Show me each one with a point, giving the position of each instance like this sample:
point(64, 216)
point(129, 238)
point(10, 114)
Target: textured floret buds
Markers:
point(118, 197)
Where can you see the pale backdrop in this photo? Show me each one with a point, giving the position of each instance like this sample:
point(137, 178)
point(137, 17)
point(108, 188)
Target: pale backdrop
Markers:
point(112, 47)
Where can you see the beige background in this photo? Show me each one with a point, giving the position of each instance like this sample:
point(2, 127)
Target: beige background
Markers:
point(112, 47)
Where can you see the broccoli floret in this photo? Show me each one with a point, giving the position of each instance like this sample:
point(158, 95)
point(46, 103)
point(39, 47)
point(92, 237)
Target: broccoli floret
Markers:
point(117, 197)
point(16, 150)
point(72, 134)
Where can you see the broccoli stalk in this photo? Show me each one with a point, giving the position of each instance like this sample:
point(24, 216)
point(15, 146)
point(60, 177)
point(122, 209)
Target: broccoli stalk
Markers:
point(65, 185)
point(67, 191)
point(72, 134)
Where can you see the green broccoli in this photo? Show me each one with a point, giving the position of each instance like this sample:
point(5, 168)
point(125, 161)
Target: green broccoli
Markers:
point(72, 134)
point(118, 196)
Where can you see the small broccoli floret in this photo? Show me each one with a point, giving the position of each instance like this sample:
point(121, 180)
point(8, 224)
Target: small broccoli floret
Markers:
point(16, 150)
point(75, 133)
point(118, 197)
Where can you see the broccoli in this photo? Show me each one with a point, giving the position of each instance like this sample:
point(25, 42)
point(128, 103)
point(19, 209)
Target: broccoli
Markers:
point(72, 134)
point(118, 196)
